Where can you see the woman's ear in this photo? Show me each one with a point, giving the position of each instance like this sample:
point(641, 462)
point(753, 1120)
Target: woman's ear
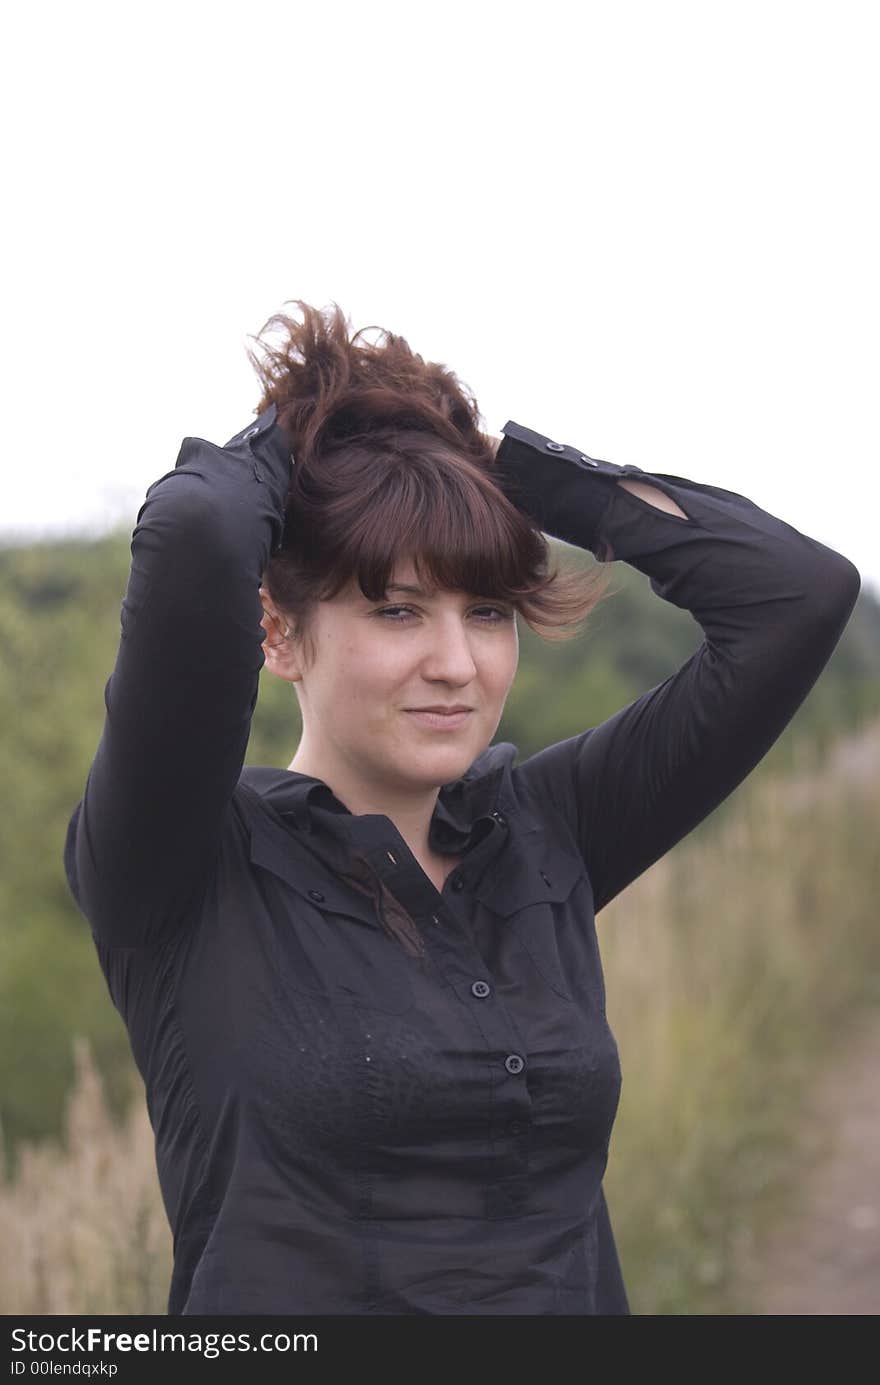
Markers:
point(278, 645)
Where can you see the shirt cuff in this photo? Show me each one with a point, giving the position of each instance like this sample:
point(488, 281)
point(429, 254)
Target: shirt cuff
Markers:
point(561, 488)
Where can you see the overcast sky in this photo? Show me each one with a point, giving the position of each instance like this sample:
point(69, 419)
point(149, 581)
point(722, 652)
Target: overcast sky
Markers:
point(647, 229)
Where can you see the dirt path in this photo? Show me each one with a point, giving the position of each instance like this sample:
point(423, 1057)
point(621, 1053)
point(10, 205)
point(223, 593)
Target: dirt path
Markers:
point(825, 1258)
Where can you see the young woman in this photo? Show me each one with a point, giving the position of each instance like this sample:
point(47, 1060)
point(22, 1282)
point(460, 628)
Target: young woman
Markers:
point(364, 992)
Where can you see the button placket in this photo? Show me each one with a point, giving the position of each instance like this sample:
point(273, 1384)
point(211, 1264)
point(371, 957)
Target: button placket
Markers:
point(460, 962)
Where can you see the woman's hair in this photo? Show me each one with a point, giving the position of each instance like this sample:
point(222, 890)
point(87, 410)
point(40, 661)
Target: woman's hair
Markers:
point(390, 463)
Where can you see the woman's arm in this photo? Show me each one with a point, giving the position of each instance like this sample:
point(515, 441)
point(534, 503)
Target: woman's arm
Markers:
point(653, 497)
point(142, 841)
point(772, 604)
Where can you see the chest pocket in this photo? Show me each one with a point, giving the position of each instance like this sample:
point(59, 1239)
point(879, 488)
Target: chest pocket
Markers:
point(329, 943)
point(545, 900)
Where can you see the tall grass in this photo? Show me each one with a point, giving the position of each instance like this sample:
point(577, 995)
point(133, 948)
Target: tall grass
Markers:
point(82, 1224)
point(733, 968)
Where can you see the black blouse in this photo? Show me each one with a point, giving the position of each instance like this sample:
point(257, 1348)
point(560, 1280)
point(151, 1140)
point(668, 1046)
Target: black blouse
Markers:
point(341, 1128)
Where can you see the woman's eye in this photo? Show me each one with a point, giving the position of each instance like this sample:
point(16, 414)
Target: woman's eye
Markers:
point(494, 614)
point(397, 612)
point(489, 615)
point(393, 611)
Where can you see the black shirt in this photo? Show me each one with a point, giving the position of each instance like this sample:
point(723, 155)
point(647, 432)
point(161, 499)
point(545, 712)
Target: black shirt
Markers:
point(342, 1128)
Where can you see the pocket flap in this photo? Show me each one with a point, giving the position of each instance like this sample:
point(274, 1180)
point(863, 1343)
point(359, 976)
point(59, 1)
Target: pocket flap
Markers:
point(545, 876)
point(277, 850)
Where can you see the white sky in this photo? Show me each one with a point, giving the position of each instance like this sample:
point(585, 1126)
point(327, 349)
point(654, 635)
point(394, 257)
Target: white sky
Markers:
point(647, 229)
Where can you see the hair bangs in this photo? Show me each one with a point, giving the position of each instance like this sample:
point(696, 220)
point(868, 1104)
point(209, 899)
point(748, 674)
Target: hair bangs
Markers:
point(453, 525)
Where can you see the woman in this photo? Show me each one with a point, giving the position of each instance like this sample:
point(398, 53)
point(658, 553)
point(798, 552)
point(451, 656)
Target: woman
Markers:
point(364, 992)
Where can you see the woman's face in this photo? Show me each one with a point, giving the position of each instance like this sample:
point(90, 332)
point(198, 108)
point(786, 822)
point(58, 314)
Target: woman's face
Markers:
point(377, 662)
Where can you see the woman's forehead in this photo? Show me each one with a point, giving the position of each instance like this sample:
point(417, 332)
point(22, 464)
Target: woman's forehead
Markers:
point(405, 580)
point(404, 573)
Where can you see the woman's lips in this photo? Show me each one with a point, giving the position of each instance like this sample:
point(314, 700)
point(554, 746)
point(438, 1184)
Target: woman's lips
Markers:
point(440, 721)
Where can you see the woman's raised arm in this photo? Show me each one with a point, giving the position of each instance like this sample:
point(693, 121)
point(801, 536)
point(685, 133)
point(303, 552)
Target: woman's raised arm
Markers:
point(772, 604)
point(142, 841)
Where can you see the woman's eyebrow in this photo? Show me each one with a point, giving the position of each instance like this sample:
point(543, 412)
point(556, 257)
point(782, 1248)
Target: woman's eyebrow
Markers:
point(417, 591)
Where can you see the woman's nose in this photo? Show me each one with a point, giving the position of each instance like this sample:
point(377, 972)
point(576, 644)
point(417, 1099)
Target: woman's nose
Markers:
point(449, 655)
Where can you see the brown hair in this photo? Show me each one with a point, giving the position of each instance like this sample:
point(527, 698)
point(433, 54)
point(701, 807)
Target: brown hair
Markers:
point(390, 462)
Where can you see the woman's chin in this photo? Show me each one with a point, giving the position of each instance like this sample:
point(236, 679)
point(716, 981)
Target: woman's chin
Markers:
point(443, 765)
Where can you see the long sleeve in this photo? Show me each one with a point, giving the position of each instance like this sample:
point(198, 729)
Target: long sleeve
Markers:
point(142, 841)
point(771, 602)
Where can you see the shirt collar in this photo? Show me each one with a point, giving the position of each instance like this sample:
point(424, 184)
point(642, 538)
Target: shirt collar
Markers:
point(312, 807)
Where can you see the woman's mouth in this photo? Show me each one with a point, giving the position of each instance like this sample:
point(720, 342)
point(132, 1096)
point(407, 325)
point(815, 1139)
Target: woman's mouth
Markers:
point(439, 721)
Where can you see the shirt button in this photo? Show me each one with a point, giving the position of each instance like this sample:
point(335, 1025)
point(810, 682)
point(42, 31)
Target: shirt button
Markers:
point(480, 988)
point(458, 883)
point(515, 1128)
point(555, 446)
point(499, 819)
point(591, 461)
point(514, 1063)
point(316, 894)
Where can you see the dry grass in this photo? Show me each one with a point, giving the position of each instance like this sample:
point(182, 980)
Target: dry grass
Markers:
point(82, 1225)
point(732, 965)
